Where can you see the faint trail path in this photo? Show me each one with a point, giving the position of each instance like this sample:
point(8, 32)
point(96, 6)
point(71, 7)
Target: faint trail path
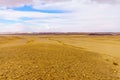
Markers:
point(65, 44)
point(109, 57)
point(113, 59)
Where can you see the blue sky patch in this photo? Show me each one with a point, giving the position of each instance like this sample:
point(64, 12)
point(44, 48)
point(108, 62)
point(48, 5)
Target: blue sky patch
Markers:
point(26, 18)
point(7, 21)
point(29, 8)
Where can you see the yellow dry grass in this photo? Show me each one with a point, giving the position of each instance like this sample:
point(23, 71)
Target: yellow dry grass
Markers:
point(59, 57)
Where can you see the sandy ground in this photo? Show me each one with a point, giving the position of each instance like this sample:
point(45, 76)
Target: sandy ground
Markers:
point(60, 57)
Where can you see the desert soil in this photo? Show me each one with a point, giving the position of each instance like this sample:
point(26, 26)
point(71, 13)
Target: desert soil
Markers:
point(59, 57)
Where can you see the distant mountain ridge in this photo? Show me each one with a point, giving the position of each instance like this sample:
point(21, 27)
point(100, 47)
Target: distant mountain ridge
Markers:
point(64, 33)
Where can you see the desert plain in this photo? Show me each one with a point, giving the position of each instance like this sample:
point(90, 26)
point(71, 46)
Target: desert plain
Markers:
point(59, 57)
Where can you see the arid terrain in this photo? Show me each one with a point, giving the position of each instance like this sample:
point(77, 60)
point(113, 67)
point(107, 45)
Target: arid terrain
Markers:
point(59, 57)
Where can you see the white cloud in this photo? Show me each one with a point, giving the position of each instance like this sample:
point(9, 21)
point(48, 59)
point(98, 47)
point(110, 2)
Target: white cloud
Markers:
point(12, 28)
point(107, 1)
point(15, 15)
point(84, 16)
point(15, 3)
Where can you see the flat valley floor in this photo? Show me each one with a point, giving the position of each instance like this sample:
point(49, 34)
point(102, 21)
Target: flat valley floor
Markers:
point(59, 57)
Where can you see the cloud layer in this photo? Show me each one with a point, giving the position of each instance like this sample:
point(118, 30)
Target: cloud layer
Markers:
point(82, 16)
point(17, 3)
point(107, 1)
point(14, 3)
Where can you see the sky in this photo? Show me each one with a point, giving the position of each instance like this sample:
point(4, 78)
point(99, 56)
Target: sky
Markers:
point(59, 16)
